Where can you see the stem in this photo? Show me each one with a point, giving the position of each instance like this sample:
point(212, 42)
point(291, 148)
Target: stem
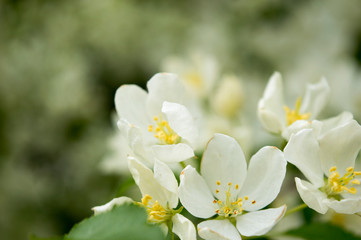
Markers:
point(170, 229)
point(296, 209)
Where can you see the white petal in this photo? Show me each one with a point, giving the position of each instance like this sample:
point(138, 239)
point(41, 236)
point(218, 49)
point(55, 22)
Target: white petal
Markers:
point(130, 104)
point(295, 128)
point(146, 182)
point(315, 98)
point(270, 106)
point(108, 206)
point(266, 172)
point(340, 146)
point(311, 196)
point(194, 194)
point(218, 230)
point(260, 222)
point(269, 120)
point(165, 177)
point(337, 121)
point(183, 228)
point(181, 121)
point(223, 160)
point(302, 151)
point(163, 87)
point(345, 206)
point(173, 153)
point(136, 143)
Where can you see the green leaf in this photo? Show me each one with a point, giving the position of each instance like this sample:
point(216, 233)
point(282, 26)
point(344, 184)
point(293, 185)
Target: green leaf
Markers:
point(122, 222)
point(33, 237)
point(316, 231)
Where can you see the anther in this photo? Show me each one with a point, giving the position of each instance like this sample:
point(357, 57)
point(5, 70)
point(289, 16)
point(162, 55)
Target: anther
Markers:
point(218, 183)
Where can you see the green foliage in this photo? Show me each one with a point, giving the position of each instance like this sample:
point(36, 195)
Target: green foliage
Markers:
point(33, 237)
point(124, 222)
point(317, 231)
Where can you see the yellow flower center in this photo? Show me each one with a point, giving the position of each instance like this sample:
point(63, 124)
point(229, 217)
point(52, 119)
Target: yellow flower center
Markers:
point(163, 132)
point(294, 115)
point(337, 184)
point(194, 79)
point(233, 205)
point(156, 212)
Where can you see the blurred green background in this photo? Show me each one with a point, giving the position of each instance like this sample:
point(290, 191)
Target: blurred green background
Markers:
point(62, 61)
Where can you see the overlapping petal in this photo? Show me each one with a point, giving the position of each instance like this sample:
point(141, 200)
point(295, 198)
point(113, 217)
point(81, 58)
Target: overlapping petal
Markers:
point(260, 222)
point(147, 183)
point(302, 151)
point(183, 227)
point(315, 98)
point(266, 172)
point(127, 99)
point(313, 197)
point(340, 146)
point(223, 161)
point(172, 153)
point(218, 230)
point(163, 87)
point(270, 106)
point(345, 206)
point(181, 121)
point(195, 194)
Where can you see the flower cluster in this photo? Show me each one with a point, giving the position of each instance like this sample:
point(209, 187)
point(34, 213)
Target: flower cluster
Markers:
point(163, 129)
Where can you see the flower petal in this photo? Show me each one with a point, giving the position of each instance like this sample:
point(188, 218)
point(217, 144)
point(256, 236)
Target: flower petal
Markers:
point(311, 196)
point(340, 146)
point(181, 121)
point(218, 230)
point(194, 194)
point(130, 103)
point(263, 188)
point(165, 177)
point(108, 206)
point(173, 153)
point(223, 161)
point(163, 87)
point(295, 128)
point(315, 98)
point(302, 151)
point(146, 182)
point(270, 106)
point(337, 121)
point(260, 222)
point(345, 206)
point(183, 227)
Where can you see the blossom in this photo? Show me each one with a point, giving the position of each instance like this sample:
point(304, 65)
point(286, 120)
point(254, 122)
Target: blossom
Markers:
point(328, 163)
point(228, 190)
point(155, 123)
point(278, 118)
point(160, 198)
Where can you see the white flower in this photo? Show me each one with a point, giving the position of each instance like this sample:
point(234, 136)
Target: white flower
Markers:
point(199, 72)
point(160, 197)
point(277, 118)
point(227, 189)
point(328, 163)
point(156, 125)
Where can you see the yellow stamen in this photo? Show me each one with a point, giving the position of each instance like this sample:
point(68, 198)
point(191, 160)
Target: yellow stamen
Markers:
point(232, 206)
point(337, 184)
point(163, 132)
point(295, 115)
point(156, 212)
